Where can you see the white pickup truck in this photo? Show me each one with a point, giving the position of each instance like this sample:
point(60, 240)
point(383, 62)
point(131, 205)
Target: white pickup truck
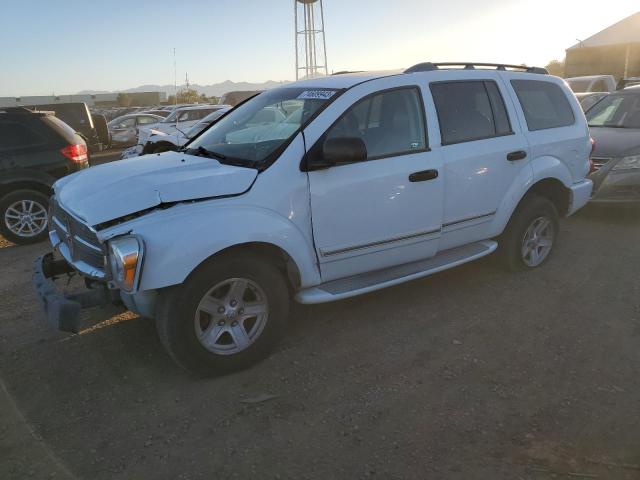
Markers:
point(366, 180)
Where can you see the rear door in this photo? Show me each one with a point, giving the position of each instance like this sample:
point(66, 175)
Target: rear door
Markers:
point(483, 151)
point(387, 209)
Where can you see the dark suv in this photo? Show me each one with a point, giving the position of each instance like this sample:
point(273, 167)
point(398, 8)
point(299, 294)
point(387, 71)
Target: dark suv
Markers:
point(36, 149)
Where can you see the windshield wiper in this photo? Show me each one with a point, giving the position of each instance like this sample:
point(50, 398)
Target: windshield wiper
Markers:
point(203, 152)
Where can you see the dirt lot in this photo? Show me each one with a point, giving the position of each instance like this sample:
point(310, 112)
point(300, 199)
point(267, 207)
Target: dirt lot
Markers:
point(473, 373)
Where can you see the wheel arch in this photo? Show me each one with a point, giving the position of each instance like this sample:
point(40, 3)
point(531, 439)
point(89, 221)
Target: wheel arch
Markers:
point(23, 183)
point(180, 239)
point(280, 258)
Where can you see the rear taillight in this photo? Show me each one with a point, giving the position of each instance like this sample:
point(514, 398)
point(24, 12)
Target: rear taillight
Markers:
point(592, 167)
point(75, 153)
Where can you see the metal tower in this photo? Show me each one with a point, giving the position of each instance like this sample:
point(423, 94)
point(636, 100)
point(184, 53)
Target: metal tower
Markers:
point(311, 47)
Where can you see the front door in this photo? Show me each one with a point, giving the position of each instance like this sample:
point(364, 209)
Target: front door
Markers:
point(387, 209)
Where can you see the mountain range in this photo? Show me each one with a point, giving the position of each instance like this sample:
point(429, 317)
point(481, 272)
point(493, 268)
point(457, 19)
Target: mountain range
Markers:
point(214, 90)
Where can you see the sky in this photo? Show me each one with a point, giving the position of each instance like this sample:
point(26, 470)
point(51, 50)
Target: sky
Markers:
point(65, 46)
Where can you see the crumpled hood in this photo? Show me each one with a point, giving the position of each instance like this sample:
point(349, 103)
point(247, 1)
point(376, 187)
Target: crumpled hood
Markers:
point(106, 192)
point(615, 142)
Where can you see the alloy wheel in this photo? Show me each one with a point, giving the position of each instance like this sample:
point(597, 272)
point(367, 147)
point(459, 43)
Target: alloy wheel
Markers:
point(26, 218)
point(231, 316)
point(537, 241)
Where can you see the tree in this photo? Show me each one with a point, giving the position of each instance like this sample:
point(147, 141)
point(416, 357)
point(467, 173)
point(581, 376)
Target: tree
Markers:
point(124, 100)
point(556, 67)
point(188, 95)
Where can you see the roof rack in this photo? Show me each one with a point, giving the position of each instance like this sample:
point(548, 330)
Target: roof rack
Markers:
point(344, 72)
point(429, 67)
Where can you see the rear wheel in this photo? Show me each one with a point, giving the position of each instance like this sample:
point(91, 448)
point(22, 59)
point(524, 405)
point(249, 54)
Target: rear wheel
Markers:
point(24, 216)
point(226, 316)
point(531, 234)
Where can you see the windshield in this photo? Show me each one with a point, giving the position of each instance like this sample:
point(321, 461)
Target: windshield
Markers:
point(256, 129)
point(579, 86)
point(616, 111)
point(205, 122)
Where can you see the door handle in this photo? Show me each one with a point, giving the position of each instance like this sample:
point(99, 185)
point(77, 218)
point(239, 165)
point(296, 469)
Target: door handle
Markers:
point(423, 175)
point(517, 155)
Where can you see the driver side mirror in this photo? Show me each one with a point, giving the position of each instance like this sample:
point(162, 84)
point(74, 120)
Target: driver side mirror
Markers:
point(338, 151)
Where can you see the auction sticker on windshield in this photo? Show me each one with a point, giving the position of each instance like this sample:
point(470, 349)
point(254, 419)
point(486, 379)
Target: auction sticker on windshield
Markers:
point(316, 95)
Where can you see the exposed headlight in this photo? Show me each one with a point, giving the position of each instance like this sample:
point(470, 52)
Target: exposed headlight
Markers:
point(125, 260)
point(628, 163)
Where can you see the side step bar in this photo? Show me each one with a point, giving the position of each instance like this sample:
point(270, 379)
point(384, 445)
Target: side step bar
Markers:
point(372, 281)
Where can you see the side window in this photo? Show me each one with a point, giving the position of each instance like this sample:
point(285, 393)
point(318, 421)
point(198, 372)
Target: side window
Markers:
point(146, 120)
point(126, 123)
point(16, 135)
point(389, 123)
point(544, 104)
point(470, 110)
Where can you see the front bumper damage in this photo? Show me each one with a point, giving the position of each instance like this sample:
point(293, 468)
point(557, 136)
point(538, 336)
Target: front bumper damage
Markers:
point(64, 311)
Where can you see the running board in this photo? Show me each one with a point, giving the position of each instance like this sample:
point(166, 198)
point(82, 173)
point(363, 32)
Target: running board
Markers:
point(372, 281)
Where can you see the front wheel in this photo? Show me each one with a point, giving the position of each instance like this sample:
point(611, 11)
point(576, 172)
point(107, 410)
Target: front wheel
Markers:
point(531, 234)
point(226, 316)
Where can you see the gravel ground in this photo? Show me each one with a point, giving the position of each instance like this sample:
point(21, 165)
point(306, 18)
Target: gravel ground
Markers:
point(472, 373)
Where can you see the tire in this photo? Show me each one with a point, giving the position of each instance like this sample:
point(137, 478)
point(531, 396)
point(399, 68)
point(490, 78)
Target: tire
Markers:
point(521, 245)
point(102, 130)
point(18, 203)
point(180, 324)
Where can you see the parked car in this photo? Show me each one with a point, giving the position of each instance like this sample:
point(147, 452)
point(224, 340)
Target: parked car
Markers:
point(78, 117)
point(161, 113)
point(162, 142)
point(387, 178)
point(592, 83)
point(124, 130)
point(628, 82)
point(589, 99)
point(178, 122)
point(615, 128)
point(36, 149)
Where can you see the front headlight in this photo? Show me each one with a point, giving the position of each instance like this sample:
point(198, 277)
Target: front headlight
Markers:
point(125, 260)
point(628, 163)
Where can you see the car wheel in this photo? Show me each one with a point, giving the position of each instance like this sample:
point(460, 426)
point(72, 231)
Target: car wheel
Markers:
point(226, 316)
point(24, 216)
point(531, 234)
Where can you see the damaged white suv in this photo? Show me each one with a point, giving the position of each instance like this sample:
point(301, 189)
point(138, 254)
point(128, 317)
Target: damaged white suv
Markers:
point(365, 180)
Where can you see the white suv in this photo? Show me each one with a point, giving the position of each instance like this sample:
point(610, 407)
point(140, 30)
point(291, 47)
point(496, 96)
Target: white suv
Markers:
point(366, 180)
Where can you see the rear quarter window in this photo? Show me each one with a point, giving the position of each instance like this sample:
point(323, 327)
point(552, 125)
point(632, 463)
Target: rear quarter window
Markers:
point(545, 104)
point(15, 135)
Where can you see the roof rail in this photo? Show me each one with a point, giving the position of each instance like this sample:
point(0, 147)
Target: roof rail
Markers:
point(344, 72)
point(429, 66)
point(26, 110)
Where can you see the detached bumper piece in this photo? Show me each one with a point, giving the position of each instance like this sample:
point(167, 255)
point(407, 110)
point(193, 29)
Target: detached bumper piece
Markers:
point(63, 311)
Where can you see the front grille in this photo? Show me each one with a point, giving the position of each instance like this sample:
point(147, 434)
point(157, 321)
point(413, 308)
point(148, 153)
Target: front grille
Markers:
point(599, 162)
point(80, 240)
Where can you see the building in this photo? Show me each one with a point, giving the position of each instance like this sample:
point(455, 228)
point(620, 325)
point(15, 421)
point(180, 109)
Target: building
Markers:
point(95, 100)
point(614, 51)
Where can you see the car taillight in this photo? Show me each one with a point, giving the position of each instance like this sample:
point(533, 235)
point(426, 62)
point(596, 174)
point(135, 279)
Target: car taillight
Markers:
point(75, 153)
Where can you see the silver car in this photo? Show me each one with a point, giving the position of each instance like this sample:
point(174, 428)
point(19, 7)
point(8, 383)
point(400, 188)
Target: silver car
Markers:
point(615, 127)
point(124, 129)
